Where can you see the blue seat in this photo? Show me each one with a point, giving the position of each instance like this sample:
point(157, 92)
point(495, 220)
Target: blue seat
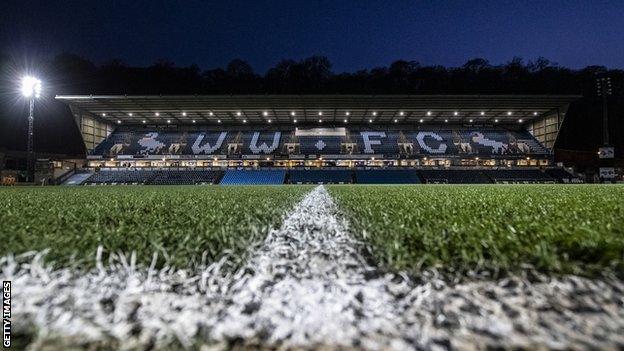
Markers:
point(253, 177)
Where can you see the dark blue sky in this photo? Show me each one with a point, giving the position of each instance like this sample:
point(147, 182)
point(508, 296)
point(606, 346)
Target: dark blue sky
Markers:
point(352, 34)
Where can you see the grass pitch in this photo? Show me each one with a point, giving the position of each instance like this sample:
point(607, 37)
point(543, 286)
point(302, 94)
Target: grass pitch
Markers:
point(567, 229)
point(178, 222)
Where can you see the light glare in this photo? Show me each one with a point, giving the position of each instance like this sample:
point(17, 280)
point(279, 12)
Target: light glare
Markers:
point(31, 86)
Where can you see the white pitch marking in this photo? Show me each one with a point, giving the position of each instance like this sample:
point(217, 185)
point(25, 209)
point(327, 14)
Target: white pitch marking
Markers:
point(307, 286)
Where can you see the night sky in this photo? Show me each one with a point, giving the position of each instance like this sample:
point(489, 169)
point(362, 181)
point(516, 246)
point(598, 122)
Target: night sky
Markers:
point(352, 34)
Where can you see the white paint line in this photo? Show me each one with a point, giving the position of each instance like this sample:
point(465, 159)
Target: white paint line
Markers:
point(308, 286)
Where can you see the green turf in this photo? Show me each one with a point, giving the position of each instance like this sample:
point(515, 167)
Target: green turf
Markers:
point(568, 229)
point(181, 221)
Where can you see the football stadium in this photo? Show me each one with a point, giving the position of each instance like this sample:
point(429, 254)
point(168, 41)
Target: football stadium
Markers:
point(450, 203)
point(319, 139)
point(316, 222)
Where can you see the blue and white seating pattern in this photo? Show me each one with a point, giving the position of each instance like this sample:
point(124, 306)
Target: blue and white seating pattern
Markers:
point(428, 142)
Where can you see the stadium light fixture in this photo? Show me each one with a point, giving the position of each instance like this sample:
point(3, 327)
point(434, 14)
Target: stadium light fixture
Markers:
point(346, 120)
point(294, 121)
point(168, 121)
point(320, 113)
point(509, 113)
point(156, 114)
point(103, 114)
point(31, 87)
point(496, 121)
point(482, 113)
point(183, 114)
point(210, 113)
point(520, 120)
point(320, 121)
point(244, 121)
point(421, 120)
point(455, 113)
point(347, 113)
point(144, 121)
point(428, 113)
point(265, 113)
point(396, 120)
point(118, 121)
point(534, 113)
point(130, 114)
point(219, 121)
point(446, 121)
point(401, 113)
point(292, 113)
point(269, 121)
point(374, 113)
point(470, 120)
point(193, 121)
point(370, 121)
point(238, 113)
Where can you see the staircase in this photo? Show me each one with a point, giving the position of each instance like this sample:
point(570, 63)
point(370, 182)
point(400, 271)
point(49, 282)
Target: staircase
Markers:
point(77, 179)
point(536, 146)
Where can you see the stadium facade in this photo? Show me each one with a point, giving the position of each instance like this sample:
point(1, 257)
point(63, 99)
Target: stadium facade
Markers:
point(321, 138)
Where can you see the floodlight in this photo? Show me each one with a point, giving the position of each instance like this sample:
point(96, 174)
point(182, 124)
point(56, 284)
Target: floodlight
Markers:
point(31, 87)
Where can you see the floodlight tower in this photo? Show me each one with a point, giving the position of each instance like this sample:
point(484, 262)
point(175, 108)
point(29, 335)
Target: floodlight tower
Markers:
point(31, 89)
point(603, 89)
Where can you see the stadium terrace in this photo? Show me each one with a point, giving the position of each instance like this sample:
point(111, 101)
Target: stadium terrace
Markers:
point(274, 139)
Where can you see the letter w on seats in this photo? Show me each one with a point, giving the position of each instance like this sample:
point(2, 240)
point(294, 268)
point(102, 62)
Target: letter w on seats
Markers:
point(264, 148)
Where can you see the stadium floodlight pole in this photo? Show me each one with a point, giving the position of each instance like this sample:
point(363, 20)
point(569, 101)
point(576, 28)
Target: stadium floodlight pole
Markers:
point(31, 88)
point(603, 86)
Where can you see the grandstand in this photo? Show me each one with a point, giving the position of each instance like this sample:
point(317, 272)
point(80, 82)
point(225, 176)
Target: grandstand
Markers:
point(320, 139)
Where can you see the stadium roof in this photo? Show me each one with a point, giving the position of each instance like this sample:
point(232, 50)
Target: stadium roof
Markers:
point(254, 109)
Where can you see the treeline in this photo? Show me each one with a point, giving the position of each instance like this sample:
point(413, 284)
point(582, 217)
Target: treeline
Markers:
point(71, 74)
